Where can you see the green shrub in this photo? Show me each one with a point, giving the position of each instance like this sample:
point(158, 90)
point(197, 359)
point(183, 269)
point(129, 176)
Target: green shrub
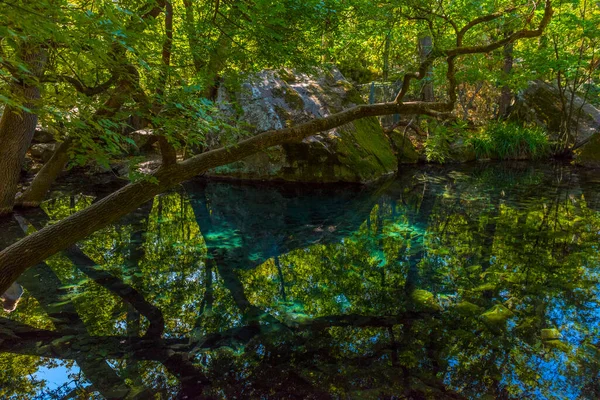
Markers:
point(438, 146)
point(505, 141)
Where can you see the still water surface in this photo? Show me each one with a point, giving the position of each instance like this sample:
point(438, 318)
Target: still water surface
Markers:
point(465, 282)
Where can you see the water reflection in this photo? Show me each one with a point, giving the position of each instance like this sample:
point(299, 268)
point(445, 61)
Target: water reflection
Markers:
point(470, 282)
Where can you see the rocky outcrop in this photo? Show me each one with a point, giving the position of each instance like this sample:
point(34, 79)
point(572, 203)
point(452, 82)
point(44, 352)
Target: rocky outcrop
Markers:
point(540, 103)
point(355, 152)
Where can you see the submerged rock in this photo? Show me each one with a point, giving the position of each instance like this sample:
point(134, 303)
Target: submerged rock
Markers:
point(540, 103)
point(467, 308)
point(355, 152)
point(550, 334)
point(283, 217)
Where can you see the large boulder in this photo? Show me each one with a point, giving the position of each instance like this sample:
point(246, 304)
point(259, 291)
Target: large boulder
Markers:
point(541, 104)
point(282, 217)
point(355, 152)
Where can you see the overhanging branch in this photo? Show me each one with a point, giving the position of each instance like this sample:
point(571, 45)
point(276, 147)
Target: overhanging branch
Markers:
point(461, 50)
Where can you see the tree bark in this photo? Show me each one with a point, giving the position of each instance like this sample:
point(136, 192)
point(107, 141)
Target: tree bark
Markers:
point(386, 57)
point(506, 93)
point(17, 125)
point(35, 193)
point(425, 48)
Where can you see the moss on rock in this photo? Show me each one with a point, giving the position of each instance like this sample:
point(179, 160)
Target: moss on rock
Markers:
point(406, 153)
point(355, 152)
point(550, 334)
point(424, 300)
point(467, 308)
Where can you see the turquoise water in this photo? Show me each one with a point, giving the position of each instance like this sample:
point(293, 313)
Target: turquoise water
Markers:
point(475, 281)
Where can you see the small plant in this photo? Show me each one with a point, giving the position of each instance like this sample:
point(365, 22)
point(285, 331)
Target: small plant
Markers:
point(506, 141)
point(438, 147)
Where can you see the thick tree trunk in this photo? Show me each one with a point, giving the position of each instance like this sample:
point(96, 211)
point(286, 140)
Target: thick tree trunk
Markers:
point(216, 63)
point(18, 125)
point(192, 34)
point(35, 193)
point(386, 57)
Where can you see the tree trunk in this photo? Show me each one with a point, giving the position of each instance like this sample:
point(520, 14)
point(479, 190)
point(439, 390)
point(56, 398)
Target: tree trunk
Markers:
point(216, 63)
point(425, 48)
point(506, 93)
point(40, 185)
point(386, 57)
point(18, 125)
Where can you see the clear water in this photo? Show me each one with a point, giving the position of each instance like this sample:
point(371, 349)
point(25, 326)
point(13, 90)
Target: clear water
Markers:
point(477, 281)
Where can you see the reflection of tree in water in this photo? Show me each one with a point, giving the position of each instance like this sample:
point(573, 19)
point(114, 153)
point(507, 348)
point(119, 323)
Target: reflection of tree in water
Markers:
point(446, 284)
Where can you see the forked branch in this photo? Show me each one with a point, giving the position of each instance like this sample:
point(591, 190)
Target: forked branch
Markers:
point(461, 50)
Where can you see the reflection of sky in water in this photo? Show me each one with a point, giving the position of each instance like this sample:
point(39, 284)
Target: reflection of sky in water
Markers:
point(59, 377)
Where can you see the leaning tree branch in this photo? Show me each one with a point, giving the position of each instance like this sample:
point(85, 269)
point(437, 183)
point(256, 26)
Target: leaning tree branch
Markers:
point(441, 16)
point(80, 86)
point(477, 21)
point(461, 50)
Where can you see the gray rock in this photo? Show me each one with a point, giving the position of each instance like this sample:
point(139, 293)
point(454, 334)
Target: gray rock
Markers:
point(355, 152)
point(42, 151)
point(540, 103)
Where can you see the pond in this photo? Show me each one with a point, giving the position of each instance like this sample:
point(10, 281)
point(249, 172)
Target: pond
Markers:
point(476, 281)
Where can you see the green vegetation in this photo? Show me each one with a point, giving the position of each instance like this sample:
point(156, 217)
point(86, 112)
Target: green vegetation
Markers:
point(439, 286)
point(511, 141)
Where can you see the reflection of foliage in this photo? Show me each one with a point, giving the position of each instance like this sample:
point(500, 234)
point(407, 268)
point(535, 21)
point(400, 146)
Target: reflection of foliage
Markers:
point(457, 283)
